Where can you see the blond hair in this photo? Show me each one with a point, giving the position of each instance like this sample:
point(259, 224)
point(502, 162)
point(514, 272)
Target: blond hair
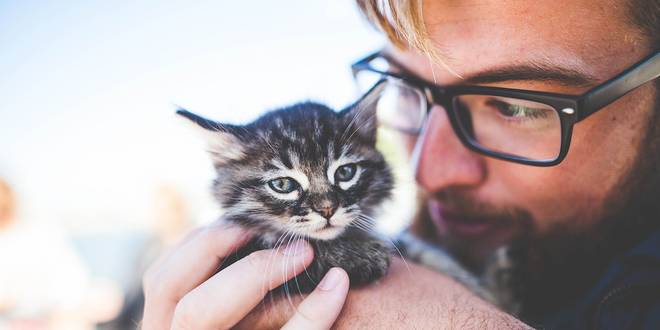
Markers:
point(402, 21)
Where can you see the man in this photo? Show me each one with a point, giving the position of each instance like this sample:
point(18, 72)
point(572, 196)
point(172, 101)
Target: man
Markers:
point(568, 184)
point(566, 223)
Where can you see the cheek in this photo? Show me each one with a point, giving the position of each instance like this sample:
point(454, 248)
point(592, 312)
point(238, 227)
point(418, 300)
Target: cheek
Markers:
point(567, 193)
point(551, 195)
point(343, 217)
point(603, 149)
point(280, 208)
point(348, 198)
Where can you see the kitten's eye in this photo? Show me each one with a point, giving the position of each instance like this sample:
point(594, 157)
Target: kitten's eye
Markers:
point(283, 185)
point(345, 172)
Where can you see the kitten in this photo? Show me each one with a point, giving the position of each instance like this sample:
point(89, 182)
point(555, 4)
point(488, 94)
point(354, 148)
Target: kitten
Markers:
point(305, 171)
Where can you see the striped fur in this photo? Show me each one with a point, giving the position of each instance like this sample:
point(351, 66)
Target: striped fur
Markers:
point(306, 142)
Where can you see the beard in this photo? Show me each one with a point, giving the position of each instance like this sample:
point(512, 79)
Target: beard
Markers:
point(556, 268)
point(545, 271)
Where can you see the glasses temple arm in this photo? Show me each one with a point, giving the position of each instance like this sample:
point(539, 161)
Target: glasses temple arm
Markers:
point(641, 73)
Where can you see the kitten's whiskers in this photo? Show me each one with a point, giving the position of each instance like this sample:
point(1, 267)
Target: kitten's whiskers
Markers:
point(286, 273)
point(269, 265)
point(298, 237)
point(357, 129)
point(364, 123)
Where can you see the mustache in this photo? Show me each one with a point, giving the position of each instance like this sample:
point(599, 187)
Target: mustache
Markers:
point(462, 204)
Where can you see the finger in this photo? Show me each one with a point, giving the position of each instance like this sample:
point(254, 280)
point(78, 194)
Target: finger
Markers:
point(321, 308)
point(185, 267)
point(229, 295)
point(168, 251)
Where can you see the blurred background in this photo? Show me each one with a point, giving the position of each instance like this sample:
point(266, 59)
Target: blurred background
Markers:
point(96, 173)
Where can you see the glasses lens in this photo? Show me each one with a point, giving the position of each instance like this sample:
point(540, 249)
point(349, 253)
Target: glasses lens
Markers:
point(510, 126)
point(400, 106)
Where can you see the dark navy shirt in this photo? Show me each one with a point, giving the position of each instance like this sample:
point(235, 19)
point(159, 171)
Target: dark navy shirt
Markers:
point(627, 296)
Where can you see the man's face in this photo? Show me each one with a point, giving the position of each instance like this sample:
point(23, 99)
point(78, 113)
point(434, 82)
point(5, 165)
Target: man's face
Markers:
point(478, 203)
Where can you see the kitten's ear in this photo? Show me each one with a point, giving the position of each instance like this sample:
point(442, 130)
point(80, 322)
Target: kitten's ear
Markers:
point(222, 141)
point(360, 117)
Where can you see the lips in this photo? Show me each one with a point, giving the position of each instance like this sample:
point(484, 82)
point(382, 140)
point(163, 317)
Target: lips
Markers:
point(460, 224)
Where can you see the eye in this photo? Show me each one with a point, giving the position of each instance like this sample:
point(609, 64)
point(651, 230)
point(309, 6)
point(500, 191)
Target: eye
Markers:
point(283, 185)
point(345, 172)
point(512, 110)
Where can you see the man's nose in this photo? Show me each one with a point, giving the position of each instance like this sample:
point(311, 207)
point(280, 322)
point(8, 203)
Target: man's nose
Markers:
point(441, 160)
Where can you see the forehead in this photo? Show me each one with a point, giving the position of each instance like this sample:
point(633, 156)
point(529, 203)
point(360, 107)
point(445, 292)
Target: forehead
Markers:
point(592, 36)
point(303, 136)
point(305, 120)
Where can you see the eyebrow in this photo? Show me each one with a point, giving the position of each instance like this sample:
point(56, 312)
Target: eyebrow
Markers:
point(534, 72)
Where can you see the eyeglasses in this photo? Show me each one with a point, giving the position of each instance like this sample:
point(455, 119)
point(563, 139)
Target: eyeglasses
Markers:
point(522, 126)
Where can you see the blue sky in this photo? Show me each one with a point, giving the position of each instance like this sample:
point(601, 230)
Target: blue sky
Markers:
point(88, 88)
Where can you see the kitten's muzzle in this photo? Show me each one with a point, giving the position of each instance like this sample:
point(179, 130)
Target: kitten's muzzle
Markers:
point(326, 210)
point(324, 204)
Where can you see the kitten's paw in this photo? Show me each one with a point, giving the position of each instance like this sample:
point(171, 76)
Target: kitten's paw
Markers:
point(371, 264)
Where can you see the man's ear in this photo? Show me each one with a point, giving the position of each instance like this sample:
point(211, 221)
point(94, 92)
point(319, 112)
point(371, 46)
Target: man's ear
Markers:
point(222, 142)
point(360, 118)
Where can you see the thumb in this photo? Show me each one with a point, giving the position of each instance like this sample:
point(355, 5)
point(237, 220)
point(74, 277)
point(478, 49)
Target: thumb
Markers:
point(320, 309)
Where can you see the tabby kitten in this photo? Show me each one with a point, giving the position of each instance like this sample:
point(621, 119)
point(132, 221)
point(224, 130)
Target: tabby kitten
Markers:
point(305, 171)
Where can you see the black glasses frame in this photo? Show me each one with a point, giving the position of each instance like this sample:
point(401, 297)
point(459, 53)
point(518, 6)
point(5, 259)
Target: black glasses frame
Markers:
point(570, 109)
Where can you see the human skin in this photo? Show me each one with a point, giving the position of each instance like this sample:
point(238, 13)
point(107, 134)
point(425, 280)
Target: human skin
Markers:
point(409, 297)
point(589, 36)
point(586, 36)
point(476, 36)
point(183, 291)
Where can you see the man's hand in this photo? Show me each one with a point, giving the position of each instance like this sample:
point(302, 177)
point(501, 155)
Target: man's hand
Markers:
point(182, 290)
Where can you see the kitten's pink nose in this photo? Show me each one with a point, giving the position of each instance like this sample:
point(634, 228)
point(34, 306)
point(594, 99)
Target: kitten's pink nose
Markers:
point(326, 210)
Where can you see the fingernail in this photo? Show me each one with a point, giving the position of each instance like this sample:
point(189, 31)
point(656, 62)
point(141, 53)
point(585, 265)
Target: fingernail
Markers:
point(331, 279)
point(295, 248)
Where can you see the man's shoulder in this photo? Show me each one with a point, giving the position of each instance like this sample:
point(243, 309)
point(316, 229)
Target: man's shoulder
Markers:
point(628, 294)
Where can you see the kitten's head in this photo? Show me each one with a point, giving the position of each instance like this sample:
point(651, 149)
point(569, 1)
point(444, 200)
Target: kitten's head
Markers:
point(304, 169)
